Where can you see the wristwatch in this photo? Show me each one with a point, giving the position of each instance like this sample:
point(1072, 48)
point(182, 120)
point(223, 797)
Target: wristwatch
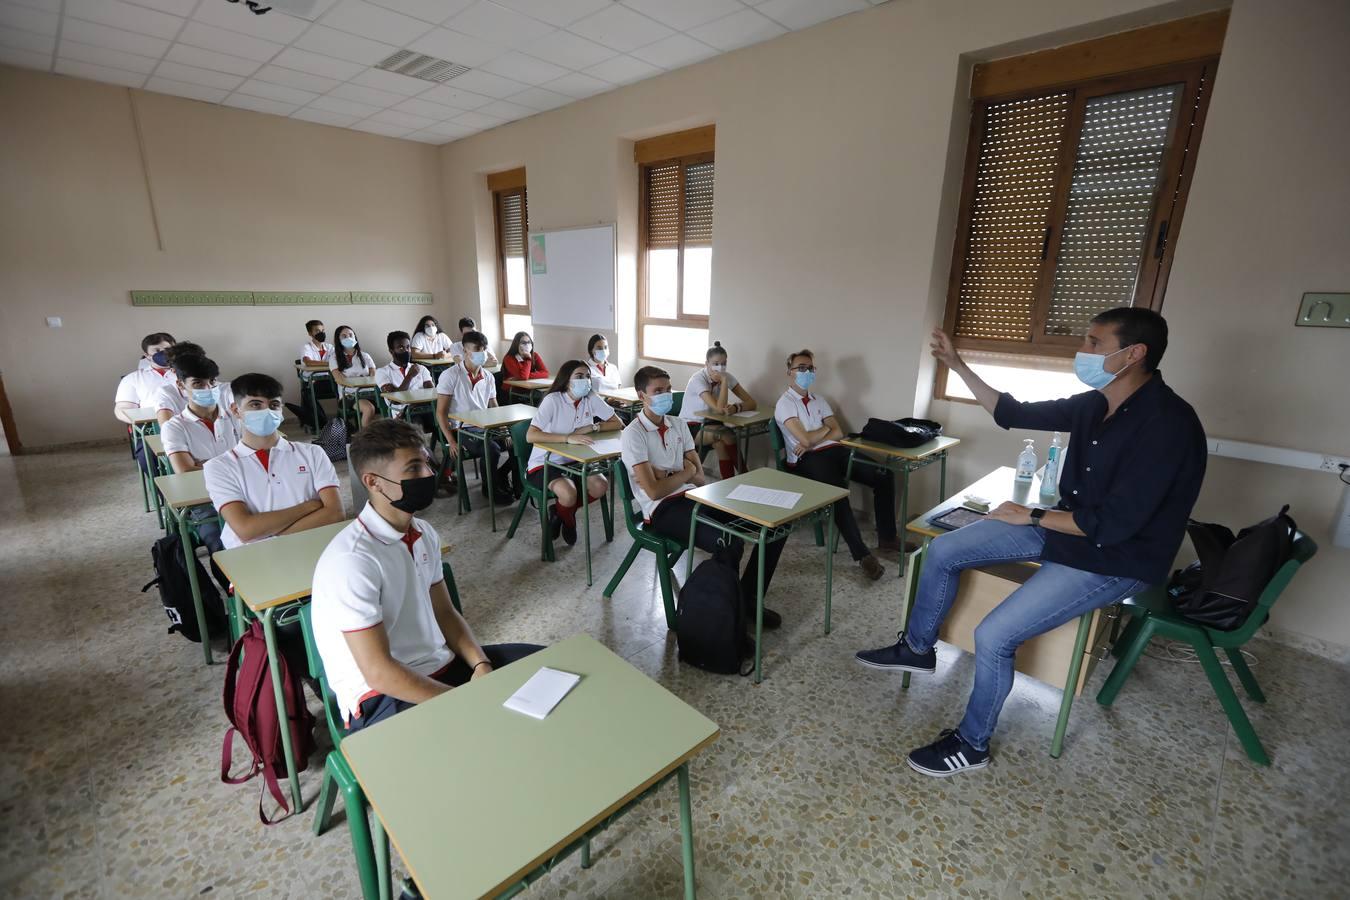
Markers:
point(1036, 515)
point(595, 427)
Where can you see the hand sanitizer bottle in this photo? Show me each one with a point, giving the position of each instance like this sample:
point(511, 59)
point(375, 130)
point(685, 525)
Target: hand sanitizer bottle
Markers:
point(1026, 461)
point(1050, 477)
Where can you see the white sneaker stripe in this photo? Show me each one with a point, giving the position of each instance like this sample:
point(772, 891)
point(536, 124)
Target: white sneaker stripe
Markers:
point(962, 756)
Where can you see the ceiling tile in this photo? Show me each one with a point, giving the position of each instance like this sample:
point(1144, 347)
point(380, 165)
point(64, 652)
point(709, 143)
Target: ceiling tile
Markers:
point(208, 59)
point(28, 59)
point(407, 120)
point(504, 109)
point(102, 56)
point(577, 85)
point(194, 75)
point(623, 70)
point(210, 37)
point(317, 64)
point(363, 94)
point(738, 30)
point(291, 78)
point(53, 6)
point(477, 120)
point(25, 19)
point(260, 104)
point(426, 137)
point(433, 11)
point(557, 12)
point(324, 117)
point(177, 7)
point(331, 42)
point(498, 24)
point(481, 82)
point(375, 22)
point(281, 93)
point(450, 130)
point(99, 73)
point(539, 99)
point(686, 13)
point(449, 95)
point(674, 51)
point(345, 107)
point(455, 46)
point(524, 68)
point(798, 14)
point(275, 26)
point(437, 112)
point(27, 40)
point(569, 50)
point(381, 128)
point(125, 16)
point(621, 28)
point(114, 38)
point(183, 89)
point(391, 81)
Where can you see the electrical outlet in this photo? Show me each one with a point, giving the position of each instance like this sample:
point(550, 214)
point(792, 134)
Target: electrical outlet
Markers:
point(1334, 464)
point(1323, 310)
point(53, 321)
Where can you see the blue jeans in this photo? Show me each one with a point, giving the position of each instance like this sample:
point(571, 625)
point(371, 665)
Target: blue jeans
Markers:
point(1054, 595)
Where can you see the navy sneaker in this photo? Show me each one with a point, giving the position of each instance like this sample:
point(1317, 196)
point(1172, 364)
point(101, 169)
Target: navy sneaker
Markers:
point(899, 657)
point(947, 756)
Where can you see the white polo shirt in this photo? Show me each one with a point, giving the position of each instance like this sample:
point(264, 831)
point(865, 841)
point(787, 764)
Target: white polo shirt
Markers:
point(175, 401)
point(361, 365)
point(558, 413)
point(465, 392)
point(607, 372)
point(203, 439)
point(438, 343)
point(372, 574)
point(392, 375)
point(662, 447)
point(141, 387)
point(811, 410)
point(293, 474)
point(320, 354)
point(694, 405)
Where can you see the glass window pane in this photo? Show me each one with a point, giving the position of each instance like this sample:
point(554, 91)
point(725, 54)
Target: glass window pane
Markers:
point(697, 280)
point(515, 281)
point(662, 282)
point(511, 323)
point(674, 342)
point(1026, 383)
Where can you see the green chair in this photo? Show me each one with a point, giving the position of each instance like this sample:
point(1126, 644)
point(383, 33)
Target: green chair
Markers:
point(530, 494)
point(1153, 616)
point(667, 550)
point(677, 404)
point(779, 450)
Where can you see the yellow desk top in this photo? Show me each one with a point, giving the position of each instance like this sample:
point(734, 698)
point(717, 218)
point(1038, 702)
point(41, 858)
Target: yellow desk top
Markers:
point(998, 486)
point(495, 416)
point(936, 445)
point(142, 415)
point(621, 394)
point(582, 453)
point(529, 384)
point(155, 444)
point(815, 495)
point(360, 381)
point(416, 395)
point(188, 489)
point(758, 417)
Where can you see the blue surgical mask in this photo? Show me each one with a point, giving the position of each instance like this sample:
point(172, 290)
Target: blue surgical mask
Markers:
point(1091, 368)
point(263, 422)
point(348, 342)
point(160, 358)
point(601, 354)
point(479, 357)
point(661, 403)
point(204, 396)
point(579, 387)
point(804, 380)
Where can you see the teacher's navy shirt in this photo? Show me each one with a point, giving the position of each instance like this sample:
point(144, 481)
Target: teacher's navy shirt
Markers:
point(1130, 480)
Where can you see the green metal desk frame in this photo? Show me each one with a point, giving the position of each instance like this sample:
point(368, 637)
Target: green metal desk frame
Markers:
point(307, 384)
point(742, 433)
point(902, 466)
point(581, 470)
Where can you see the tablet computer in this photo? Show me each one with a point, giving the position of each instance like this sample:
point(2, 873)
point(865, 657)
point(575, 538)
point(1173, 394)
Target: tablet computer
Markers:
point(956, 518)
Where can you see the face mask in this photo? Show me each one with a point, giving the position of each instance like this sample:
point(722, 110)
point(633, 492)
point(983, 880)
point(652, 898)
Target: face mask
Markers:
point(431, 329)
point(601, 354)
point(579, 387)
point(320, 336)
point(418, 493)
point(804, 380)
point(1091, 369)
point(160, 358)
point(527, 349)
point(661, 403)
point(718, 368)
point(348, 343)
point(263, 422)
point(401, 358)
point(478, 357)
point(204, 396)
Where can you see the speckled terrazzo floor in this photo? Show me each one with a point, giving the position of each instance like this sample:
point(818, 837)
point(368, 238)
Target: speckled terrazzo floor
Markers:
point(109, 756)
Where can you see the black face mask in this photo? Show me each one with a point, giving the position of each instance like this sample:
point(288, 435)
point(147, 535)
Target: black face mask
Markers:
point(320, 336)
point(418, 493)
point(401, 358)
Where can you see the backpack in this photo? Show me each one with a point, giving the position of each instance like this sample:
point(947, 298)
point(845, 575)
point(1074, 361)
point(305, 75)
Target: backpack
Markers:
point(710, 621)
point(250, 705)
point(332, 439)
point(902, 432)
point(175, 591)
point(1221, 588)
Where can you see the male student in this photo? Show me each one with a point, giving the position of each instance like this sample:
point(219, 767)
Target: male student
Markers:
point(266, 485)
point(466, 326)
point(316, 353)
point(464, 387)
point(383, 621)
point(1132, 473)
point(662, 463)
point(141, 387)
point(402, 374)
point(199, 433)
point(811, 437)
point(171, 399)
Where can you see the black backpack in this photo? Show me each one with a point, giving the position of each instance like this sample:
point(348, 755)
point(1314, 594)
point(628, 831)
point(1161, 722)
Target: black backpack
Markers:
point(175, 591)
point(710, 622)
point(902, 432)
point(1221, 588)
point(333, 439)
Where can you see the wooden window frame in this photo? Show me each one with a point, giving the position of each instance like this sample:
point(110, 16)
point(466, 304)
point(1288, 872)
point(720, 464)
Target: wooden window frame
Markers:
point(503, 185)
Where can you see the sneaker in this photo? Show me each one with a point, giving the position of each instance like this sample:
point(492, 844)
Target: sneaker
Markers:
point(947, 756)
point(871, 567)
point(899, 657)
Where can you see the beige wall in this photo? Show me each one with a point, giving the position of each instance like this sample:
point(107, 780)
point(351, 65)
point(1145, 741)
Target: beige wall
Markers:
point(838, 166)
point(246, 202)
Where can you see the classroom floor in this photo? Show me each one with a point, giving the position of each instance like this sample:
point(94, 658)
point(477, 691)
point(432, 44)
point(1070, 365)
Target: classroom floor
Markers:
point(109, 781)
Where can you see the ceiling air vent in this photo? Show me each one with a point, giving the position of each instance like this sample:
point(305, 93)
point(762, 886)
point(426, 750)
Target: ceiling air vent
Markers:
point(419, 65)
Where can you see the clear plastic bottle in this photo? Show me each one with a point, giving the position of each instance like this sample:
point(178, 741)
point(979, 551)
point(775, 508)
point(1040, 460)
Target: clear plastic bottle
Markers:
point(1026, 461)
point(1050, 476)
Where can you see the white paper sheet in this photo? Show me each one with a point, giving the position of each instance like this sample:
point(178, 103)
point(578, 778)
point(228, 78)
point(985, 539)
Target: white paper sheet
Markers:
point(608, 445)
point(745, 414)
point(765, 496)
point(545, 690)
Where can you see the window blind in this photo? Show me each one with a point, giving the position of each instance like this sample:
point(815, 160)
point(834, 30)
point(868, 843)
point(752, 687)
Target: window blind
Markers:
point(663, 206)
point(698, 204)
point(512, 211)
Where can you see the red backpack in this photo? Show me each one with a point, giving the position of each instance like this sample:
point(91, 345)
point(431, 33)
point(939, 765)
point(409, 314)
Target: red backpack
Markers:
point(251, 707)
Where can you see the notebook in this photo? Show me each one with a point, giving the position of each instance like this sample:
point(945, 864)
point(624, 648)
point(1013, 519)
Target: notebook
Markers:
point(545, 690)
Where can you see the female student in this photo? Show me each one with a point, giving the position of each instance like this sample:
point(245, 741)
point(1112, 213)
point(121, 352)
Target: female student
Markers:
point(714, 388)
point(569, 414)
point(429, 342)
point(599, 363)
point(522, 363)
point(350, 361)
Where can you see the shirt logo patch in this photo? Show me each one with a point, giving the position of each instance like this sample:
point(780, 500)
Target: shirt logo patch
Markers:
point(302, 469)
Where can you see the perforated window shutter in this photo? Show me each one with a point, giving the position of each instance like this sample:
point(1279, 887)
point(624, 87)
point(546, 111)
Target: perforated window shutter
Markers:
point(513, 223)
point(663, 207)
point(698, 204)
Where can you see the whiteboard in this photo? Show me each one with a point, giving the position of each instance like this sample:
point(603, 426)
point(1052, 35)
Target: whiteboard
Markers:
point(572, 277)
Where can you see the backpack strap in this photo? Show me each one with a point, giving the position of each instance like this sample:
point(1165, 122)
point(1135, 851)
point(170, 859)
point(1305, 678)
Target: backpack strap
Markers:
point(227, 748)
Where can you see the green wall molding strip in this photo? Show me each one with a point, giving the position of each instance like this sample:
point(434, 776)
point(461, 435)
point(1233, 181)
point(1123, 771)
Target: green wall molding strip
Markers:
point(300, 298)
point(391, 298)
point(280, 298)
point(191, 298)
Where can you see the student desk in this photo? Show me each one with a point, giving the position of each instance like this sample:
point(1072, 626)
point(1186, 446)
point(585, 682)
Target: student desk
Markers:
point(181, 493)
point(902, 460)
point(487, 816)
point(155, 445)
point(436, 366)
point(316, 372)
point(143, 422)
point(1066, 655)
point(494, 419)
point(584, 460)
point(410, 399)
point(530, 388)
point(744, 426)
point(628, 402)
point(759, 524)
point(358, 385)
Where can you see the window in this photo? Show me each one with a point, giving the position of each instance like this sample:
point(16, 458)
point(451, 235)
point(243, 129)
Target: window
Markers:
point(1074, 191)
point(511, 214)
point(675, 225)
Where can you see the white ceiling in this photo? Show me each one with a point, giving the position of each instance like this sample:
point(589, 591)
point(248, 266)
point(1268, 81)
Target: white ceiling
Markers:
point(525, 56)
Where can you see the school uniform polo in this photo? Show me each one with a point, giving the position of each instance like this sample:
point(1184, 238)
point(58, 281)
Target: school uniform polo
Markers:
point(438, 343)
point(393, 374)
point(466, 392)
point(319, 354)
point(607, 372)
point(204, 439)
point(373, 574)
point(284, 476)
point(359, 367)
point(694, 406)
point(560, 413)
point(810, 410)
point(662, 446)
point(175, 401)
point(141, 387)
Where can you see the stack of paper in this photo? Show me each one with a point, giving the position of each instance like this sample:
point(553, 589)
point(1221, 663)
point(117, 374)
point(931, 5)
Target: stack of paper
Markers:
point(607, 445)
point(765, 496)
point(545, 690)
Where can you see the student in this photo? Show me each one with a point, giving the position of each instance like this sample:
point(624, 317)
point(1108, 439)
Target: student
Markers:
point(811, 436)
point(467, 325)
point(599, 364)
point(171, 398)
point(1115, 531)
point(569, 414)
point(463, 387)
point(266, 485)
point(350, 361)
point(383, 622)
point(429, 342)
point(714, 388)
point(199, 433)
point(315, 350)
point(522, 362)
point(141, 387)
point(658, 451)
point(402, 374)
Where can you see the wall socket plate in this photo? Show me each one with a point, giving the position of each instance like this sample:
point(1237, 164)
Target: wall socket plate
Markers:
point(1324, 310)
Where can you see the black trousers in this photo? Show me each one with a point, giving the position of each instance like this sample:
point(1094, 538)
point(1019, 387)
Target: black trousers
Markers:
point(323, 390)
point(829, 466)
point(504, 475)
point(671, 519)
